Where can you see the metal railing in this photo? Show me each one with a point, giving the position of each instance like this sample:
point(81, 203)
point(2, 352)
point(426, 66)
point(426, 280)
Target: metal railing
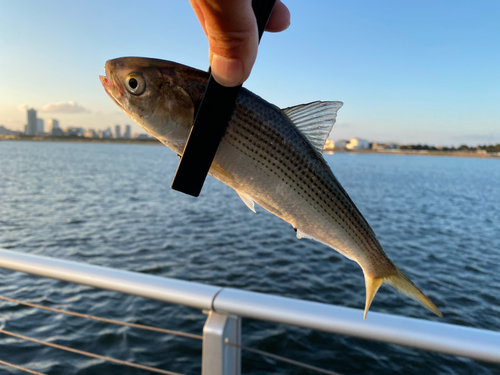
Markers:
point(227, 306)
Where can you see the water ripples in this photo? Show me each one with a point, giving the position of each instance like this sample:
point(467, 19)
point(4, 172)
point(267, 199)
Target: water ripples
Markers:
point(111, 205)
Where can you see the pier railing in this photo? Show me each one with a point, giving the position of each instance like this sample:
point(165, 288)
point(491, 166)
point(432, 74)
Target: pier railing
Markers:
point(226, 307)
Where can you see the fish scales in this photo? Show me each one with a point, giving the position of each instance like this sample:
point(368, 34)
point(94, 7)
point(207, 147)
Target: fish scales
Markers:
point(268, 156)
point(256, 135)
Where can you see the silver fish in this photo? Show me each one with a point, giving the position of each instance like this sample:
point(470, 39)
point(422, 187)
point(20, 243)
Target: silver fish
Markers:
point(270, 156)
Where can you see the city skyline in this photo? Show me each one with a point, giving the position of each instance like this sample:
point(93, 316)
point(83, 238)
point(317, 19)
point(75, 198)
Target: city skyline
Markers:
point(421, 72)
point(35, 127)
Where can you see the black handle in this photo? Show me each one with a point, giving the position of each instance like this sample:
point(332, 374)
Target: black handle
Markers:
point(211, 122)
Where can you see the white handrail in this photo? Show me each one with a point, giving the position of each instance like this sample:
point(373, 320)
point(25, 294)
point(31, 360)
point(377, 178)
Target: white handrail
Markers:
point(428, 335)
point(180, 292)
point(416, 333)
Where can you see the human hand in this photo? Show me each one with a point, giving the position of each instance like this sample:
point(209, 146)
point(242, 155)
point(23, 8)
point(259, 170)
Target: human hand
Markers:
point(231, 29)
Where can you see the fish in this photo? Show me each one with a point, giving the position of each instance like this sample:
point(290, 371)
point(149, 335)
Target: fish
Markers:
point(271, 157)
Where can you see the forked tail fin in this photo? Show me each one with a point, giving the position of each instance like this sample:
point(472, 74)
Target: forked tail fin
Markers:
point(403, 285)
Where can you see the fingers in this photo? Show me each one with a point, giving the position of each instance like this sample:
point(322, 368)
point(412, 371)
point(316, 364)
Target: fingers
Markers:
point(232, 34)
point(232, 38)
point(280, 18)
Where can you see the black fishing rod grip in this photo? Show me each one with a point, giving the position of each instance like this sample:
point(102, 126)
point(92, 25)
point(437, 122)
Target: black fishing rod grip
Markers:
point(211, 121)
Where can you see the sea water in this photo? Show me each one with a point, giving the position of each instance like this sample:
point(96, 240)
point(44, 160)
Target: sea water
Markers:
point(111, 205)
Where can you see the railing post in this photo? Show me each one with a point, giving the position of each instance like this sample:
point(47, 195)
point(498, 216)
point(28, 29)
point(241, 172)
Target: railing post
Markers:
point(217, 357)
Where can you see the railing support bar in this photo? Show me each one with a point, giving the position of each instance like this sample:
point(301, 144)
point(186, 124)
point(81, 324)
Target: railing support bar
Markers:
point(218, 358)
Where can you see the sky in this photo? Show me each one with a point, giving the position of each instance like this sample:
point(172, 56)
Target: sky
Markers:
point(407, 71)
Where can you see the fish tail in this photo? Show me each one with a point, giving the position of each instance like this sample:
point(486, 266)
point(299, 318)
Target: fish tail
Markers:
point(402, 284)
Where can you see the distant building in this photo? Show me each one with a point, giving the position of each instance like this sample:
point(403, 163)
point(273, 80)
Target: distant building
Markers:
point(31, 127)
point(341, 144)
point(106, 133)
point(127, 134)
point(142, 136)
point(329, 145)
point(74, 131)
point(90, 133)
point(384, 146)
point(57, 132)
point(39, 126)
point(53, 125)
point(118, 131)
point(357, 144)
point(5, 131)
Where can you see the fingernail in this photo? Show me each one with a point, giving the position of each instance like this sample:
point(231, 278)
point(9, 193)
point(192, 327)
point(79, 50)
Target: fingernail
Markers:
point(227, 72)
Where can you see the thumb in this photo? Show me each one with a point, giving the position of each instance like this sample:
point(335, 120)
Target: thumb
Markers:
point(231, 29)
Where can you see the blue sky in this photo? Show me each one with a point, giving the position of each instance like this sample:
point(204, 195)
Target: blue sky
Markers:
point(409, 72)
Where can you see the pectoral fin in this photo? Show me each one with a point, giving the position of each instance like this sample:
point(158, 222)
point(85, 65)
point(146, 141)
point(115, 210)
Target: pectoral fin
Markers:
point(248, 201)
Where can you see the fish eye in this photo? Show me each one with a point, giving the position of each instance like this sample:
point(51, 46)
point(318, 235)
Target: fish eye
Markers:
point(135, 83)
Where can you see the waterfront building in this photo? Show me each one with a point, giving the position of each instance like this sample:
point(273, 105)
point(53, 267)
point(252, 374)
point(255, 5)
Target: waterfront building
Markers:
point(52, 125)
point(57, 132)
point(91, 133)
point(329, 145)
point(39, 126)
point(5, 131)
point(127, 134)
point(384, 146)
point(75, 131)
point(341, 144)
point(357, 144)
point(106, 133)
point(142, 136)
point(31, 127)
point(118, 131)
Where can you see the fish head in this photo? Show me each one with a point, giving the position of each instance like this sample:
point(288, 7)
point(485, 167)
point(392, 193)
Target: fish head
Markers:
point(161, 96)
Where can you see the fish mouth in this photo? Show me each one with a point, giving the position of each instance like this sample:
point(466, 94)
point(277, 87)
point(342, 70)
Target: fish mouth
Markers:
point(112, 89)
point(105, 82)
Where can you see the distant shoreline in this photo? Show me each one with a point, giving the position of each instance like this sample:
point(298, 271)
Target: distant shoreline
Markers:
point(149, 141)
point(457, 154)
point(155, 142)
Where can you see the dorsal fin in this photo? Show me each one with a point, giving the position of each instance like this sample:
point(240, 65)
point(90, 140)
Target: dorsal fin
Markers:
point(315, 120)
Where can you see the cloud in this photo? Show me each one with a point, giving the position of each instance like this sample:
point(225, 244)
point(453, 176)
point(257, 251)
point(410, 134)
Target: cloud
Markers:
point(64, 107)
point(23, 107)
